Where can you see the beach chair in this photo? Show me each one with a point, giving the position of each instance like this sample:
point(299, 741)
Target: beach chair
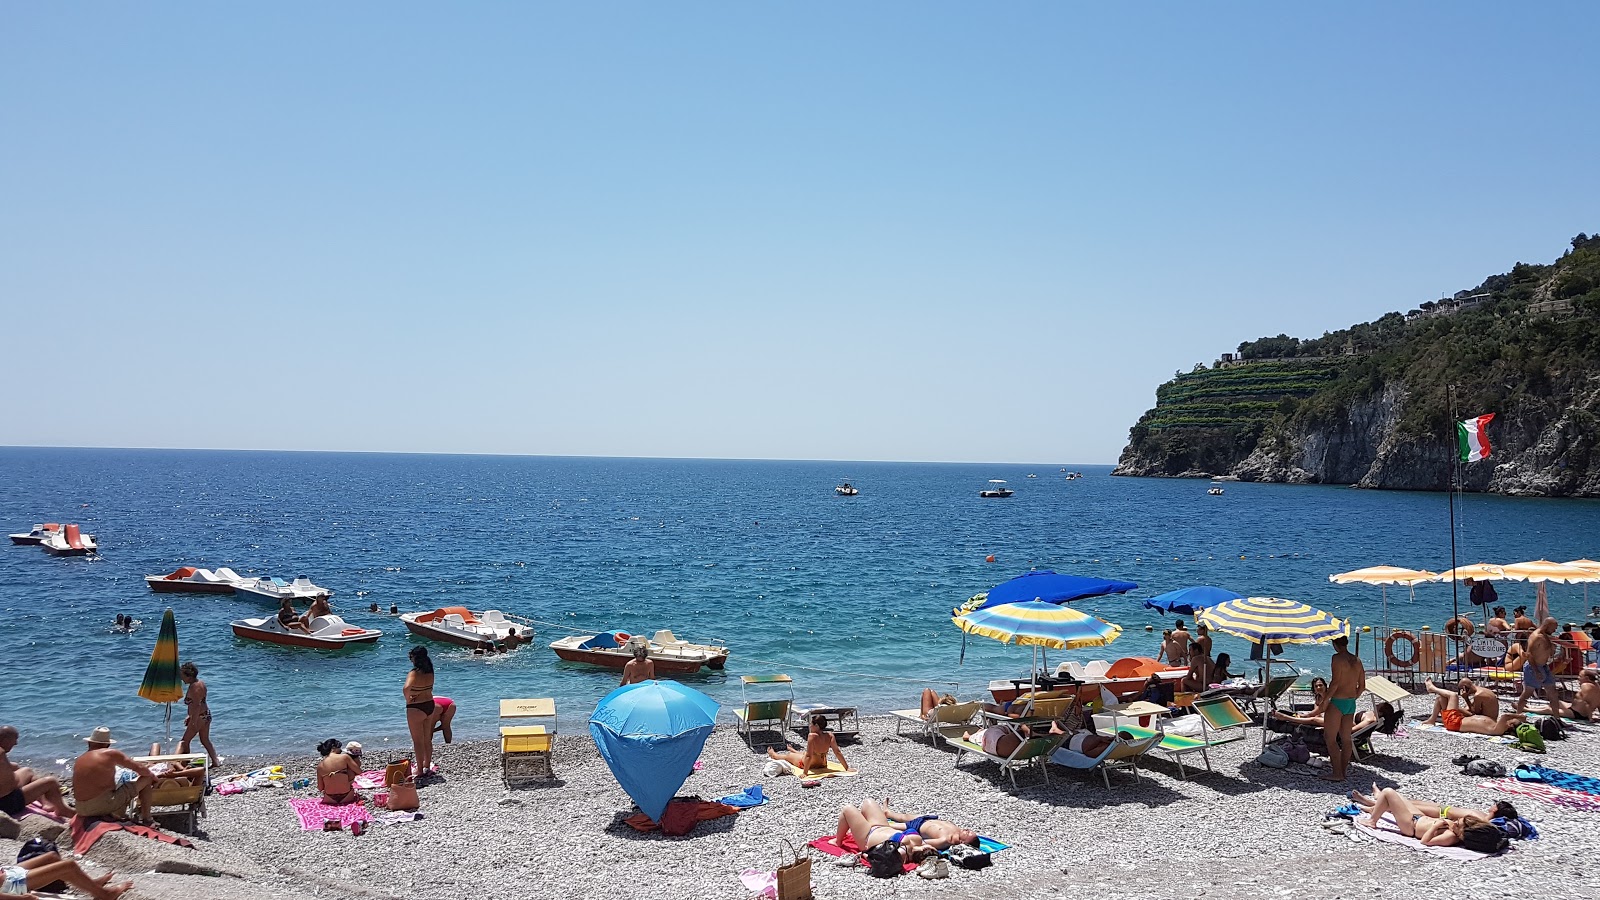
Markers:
point(1122, 753)
point(947, 721)
point(1268, 692)
point(1384, 689)
point(187, 801)
point(1034, 751)
point(525, 754)
point(1176, 746)
point(766, 714)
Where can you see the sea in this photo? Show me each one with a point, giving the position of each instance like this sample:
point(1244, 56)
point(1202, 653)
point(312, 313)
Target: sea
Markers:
point(851, 596)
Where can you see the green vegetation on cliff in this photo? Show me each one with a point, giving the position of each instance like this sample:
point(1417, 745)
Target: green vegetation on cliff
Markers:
point(1514, 341)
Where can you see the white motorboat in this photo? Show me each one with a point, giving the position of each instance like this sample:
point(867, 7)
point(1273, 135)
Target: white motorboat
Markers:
point(459, 625)
point(613, 649)
point(1215, 492)
point(324, 631)
point(37, 535)
point(69, 541)
point(999, 489)
point(846, 490)
point(268, 588)
point(190, 580)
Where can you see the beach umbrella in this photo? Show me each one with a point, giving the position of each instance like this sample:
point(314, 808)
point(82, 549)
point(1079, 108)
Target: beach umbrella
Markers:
point(1540, 571)
point(1047, 586)
point(1383, 576)
point(1036, 624)
point(650, 734)
point(1477, 572)
point(161, 683)
point(1190, 600)
point(1268, 620)
point(1589, 565)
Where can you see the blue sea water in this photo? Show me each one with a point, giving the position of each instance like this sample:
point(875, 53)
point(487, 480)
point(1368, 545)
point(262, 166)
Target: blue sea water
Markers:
point(851, 596)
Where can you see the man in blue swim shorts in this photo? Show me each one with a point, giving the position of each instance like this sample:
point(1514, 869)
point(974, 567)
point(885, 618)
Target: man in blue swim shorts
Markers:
point(1537, 676)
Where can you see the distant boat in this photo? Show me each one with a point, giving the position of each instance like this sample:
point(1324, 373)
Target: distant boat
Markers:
point(190, 580)
point(1074, 476)
point(1031, 475)
point(1215, 492)
point(846, 490)
point(268, 588)
point(37, 535)
point(1000, 490)
point(328, 632)
point(69, 542)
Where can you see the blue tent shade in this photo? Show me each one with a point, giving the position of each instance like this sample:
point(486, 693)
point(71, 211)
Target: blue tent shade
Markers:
point(1187, 601)
point(650, 734)
point(1052, 588)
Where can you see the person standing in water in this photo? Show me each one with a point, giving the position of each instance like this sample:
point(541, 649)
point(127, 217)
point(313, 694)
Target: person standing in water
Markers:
point(641, 667)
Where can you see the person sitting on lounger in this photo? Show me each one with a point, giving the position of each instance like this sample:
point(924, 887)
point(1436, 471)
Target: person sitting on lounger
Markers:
point(37, 872)
point(1586, 706)
point(1431, 823)
point(1219, 669)
point(20, 785)
point(870, 826)
point(107, 782)
point(1448, 711)
point(818, 744)
point(932, 700)
point(336, 774)
point(1319, 704)
point(1516, 655)
point(289, 619)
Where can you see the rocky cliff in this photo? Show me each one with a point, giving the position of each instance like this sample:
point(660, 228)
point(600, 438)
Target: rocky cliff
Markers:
point(1374, 405)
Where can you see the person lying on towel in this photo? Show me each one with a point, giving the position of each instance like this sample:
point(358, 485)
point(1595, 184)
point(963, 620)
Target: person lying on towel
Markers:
point(886, 845)
point(818, 744)
point(1433, 824)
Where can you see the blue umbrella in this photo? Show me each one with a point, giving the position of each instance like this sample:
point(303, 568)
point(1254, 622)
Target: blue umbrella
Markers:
point(1047, 586)
point(650, 734)
point(1190, 600)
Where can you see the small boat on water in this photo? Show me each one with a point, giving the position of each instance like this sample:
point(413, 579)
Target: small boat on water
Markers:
point(1215, 491)
point(459, 625)
point(1074, 476)
point(189, 580)
point(37, 535)
point(268, 588)
point(613, 649)
point(999, 489)
point(328, 632)
point(69, 541)
point(846, 490)
point(1031, 475)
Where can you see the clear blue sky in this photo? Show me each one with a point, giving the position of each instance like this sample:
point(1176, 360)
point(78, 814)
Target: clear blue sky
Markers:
point(912, 231)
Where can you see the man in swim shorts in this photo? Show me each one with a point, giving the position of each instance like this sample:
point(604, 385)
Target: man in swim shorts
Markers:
point(20, 786)
point(107, 782)
point(1459, 710)
point(1537, 677)
point(1348, 680)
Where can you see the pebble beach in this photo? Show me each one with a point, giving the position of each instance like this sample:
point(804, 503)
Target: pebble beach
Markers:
point(1242, 830)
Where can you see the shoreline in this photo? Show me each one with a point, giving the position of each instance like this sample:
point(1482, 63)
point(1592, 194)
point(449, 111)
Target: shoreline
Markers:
point(1241, 831)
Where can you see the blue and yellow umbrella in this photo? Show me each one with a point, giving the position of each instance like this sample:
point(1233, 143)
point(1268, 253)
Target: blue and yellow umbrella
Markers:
point(1273, 621)
point(1034, 623)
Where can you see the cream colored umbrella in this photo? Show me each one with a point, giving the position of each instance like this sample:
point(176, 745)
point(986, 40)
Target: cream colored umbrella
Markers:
point(1540, 571)
point(1383, 576)
point(1477, 572)
point(1589, 564)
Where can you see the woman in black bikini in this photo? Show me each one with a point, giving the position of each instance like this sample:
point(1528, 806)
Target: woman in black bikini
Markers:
point(198, 722)
point(418, 691)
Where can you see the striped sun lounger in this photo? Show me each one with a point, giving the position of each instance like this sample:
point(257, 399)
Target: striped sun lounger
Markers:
point(1177, 746)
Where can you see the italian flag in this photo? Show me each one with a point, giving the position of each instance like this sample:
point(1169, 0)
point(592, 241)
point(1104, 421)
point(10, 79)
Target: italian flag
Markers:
point(1472, 438)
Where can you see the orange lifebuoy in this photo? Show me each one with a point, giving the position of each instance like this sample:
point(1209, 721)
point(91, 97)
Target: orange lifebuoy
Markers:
point(623, 637)
point(1395, 660)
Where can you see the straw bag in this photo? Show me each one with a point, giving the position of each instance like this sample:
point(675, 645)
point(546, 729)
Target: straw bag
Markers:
point(402, 791)
point(794, 877)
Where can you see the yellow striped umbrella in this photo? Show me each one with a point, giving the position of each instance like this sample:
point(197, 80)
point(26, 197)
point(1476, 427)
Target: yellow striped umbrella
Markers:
point(1383, 576)
point(1268, 620)
point(1545, 570)
point(161, 683)
point(1036, 624)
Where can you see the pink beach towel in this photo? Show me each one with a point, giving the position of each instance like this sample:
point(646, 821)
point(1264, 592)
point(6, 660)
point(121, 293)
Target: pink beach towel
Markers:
point(827, 845)
point(370, 781)
point(1568, 799)
point(312, 812)
point(1389, 834)
point(39, 809)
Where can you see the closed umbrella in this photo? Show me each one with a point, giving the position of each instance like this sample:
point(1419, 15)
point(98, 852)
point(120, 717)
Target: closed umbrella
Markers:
point(1036, 624)
point(1383, 576)
point(650, 734)
point(161, 683)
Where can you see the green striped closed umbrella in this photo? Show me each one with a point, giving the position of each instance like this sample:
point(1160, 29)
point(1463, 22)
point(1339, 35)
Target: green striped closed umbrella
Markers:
point(161, 683)
point(1273, 621)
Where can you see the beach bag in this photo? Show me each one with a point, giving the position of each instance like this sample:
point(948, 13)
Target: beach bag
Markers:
point(1297, 750)
point(969, 857)
point(1551, 729)
point(1484, 768)
point(1274, 757)
point(1529, 739)
point(402, 791)
point(39, 847)
point(794, 877)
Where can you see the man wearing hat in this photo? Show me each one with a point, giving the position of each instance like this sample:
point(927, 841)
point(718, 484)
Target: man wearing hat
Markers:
point(105, 782)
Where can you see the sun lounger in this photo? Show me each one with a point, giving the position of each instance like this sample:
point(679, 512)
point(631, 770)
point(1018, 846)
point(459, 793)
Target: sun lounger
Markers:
point(1122, 753)
point(1384, 689)
point(1219, 715)
point(524, 754)
point(1034, 751)
point(187, 800)
point(1267, 692)
point(1177, 746)
point(948, 721)
point(764, 715)
point(841, 719)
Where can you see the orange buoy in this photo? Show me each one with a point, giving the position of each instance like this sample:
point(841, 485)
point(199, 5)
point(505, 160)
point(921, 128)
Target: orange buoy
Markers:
point(989, 558)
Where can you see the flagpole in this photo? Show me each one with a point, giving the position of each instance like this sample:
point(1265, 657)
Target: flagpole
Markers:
point(1455, 468)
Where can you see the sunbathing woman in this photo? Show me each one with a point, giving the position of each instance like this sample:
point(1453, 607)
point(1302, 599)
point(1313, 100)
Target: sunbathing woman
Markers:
point(1448, 712)
point(931, 700)
point(815, 757)
point(1432, 824)
point(871, 827)
point(1319, 695)
point(336, 774)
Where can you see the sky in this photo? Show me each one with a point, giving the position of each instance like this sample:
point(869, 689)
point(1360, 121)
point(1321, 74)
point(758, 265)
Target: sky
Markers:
point(888, 231)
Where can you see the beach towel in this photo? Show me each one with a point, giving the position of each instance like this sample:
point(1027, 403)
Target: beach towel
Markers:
point(681, 816)
point(764, 884)
point(832, 770)
point(39, 809)
point(750, 796)
point(1389, 834)
point(86, 832)
point(1562, 797)
point(312, 812)
point(1491, 738)
point(369, 781)
point(826, 845)
point(1557, 778)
